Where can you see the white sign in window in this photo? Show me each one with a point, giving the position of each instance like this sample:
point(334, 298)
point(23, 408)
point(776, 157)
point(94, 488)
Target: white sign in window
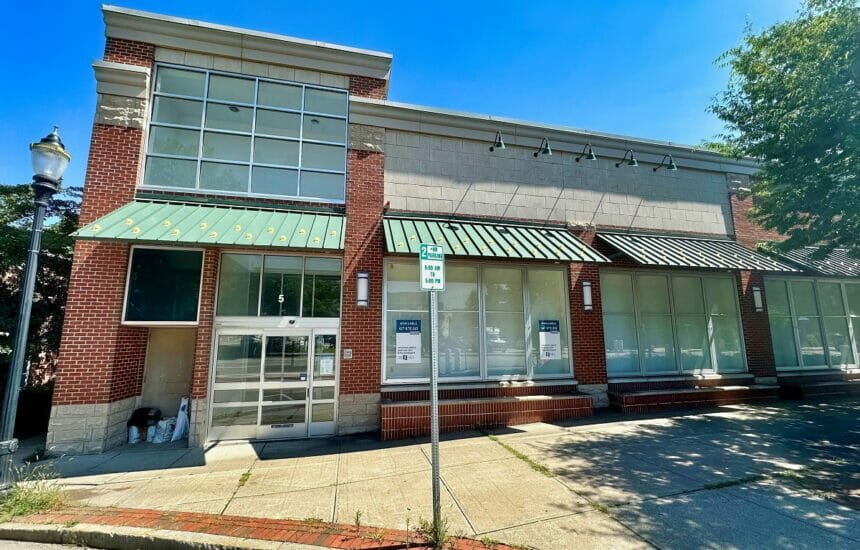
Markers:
point(408, 341)
point(550, 339)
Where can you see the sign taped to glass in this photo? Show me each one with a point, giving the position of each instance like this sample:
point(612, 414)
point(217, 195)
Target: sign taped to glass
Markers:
point(408, 341)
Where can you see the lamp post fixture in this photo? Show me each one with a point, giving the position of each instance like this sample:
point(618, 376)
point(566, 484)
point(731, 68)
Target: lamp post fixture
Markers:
point(49, 159)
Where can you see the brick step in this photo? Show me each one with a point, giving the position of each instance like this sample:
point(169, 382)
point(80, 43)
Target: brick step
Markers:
point(815, 377)
point(818, 389)
point(684, 398)
point(401, 419)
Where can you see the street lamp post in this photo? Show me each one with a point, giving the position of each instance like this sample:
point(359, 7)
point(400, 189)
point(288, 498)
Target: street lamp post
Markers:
point(49, 160)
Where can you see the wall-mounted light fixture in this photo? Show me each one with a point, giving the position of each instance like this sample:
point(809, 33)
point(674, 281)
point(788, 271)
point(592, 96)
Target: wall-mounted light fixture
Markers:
point(544, 148)
point(587, 303)
point(362, 289)
point(587, 152)
point(757, 301)
point(498, 143)
point(631, 162)
point(669, 165)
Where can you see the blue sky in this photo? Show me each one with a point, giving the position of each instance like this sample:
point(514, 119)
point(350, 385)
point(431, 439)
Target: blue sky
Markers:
point(638, 68)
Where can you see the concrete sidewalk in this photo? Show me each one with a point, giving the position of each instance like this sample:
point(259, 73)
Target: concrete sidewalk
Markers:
point(750, 476)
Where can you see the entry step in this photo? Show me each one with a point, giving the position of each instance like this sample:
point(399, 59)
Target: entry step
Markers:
point(639, 401)
point(402, 419)
point(835, 388)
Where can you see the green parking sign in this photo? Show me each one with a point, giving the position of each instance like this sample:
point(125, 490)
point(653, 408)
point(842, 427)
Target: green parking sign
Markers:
point(432, 268)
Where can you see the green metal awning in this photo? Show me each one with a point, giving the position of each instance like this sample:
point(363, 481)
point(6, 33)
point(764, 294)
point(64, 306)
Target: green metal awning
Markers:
point(837, 263)
point(691, 252)
point(199, 224)
point(487, 240)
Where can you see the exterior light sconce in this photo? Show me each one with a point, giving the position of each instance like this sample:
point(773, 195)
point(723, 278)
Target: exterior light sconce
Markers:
point(544, 148)
point(498, 143)
point(587, 303)
point(669, 165)
point(757, 301)
point(362, 289)
point(631, 162)
point(587, 152)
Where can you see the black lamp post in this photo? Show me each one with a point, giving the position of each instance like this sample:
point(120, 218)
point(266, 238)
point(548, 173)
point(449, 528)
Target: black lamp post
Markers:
point(49, 160)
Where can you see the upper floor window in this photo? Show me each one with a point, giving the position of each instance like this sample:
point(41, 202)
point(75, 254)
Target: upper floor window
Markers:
point(226, 134)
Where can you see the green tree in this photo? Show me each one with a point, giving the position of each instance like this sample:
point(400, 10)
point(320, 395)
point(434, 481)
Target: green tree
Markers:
point(52, 279)
point(793, 102)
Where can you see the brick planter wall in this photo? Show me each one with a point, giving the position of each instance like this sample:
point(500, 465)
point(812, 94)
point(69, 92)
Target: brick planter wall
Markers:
point(412, 419)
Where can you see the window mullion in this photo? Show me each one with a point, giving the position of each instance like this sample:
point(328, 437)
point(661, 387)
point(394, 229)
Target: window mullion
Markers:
point(670, 283)
point(253, 132)
point(855, 345)
point(202, 128)
point(634, 290)
point(527, 326)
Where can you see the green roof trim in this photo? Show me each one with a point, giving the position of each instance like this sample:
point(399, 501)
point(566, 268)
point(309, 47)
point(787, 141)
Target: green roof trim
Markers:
point(487, 240)
point(202, 224)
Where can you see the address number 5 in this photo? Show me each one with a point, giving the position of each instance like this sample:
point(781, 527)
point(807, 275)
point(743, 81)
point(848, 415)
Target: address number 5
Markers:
point(280, 298)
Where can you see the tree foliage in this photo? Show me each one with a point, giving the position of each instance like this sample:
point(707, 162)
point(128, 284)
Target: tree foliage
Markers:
point(793, 102)
point(52, 279)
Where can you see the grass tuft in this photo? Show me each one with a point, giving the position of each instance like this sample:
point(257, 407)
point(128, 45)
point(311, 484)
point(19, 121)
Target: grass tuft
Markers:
point(536, 466)
point(436, 535)
point(35, 491)
point(243, 479)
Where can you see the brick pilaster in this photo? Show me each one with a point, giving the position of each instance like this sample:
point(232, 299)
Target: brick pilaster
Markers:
point(203, 342)
point(756, 326)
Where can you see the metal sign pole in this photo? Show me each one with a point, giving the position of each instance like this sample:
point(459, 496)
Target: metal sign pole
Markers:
point(434, 407)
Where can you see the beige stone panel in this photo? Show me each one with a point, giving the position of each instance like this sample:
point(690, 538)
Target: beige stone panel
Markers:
point(115, 110)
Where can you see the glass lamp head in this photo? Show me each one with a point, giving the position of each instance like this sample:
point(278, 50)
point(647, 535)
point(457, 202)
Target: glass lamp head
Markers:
point(49, 158)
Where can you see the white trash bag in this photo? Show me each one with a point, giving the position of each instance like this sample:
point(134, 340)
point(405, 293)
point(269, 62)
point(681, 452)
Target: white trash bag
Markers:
point(164, 430)
point(181, 430)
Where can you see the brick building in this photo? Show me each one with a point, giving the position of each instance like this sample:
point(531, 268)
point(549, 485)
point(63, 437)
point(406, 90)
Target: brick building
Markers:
point(249, 233)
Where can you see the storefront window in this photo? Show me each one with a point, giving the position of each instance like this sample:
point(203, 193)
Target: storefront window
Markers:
point(290, 284)
point(491, 319)
point(163, 285)
point(810, 317)
point(659, 324)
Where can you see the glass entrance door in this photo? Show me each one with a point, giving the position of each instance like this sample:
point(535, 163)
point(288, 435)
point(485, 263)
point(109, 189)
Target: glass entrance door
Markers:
point(274, 384)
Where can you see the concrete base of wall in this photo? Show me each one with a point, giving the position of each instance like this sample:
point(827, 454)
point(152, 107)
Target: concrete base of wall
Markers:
point(358, 413)
point(198, 412)
point(85, 429)
point(766, 380)
point(599, 393)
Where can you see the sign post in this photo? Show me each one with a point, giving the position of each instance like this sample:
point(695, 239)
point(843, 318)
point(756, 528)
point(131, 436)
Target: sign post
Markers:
point(432, 274)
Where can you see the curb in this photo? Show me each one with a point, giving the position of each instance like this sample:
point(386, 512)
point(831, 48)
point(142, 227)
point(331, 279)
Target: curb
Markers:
point(111, 537)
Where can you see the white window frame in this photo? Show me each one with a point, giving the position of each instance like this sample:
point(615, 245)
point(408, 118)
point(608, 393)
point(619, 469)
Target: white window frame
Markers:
point(679, 370)
point(792, 315)
point(196, 320)
point(483, 377)
point(268, 321)
point(201, 128)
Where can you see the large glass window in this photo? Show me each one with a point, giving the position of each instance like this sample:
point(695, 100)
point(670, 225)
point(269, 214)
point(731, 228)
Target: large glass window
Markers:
point(163, 285)
point(657, 324)
point(494, 322)
point(272, 286)
point(810, 325)
point(246, 135)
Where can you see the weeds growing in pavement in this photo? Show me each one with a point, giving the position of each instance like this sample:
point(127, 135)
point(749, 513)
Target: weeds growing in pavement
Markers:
point(490, 542)
point(243, 479)
point(36, 456)
point(357, 520)
point(35, 490)
point(436, 535)
point(313, 520)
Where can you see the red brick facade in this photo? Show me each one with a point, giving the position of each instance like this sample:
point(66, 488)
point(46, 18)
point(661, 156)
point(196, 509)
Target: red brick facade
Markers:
point(205, 320)
point(374, 88)
point(361, 328)
point(119, 50)
point(586, 327)
point(747, 232)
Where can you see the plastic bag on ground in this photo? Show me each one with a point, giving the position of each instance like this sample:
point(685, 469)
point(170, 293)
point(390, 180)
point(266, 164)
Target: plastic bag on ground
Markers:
point(164, 430)
point(181, 430)
point(133, 435)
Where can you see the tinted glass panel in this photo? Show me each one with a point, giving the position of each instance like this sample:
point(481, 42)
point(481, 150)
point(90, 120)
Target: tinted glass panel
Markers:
point(228, 88)
point(622, 348)
point(322, 412)
point(325, 101)
point(547, 297)
point(830, 297)
point(170, 172)
point(224, 177)
point(274, 181)
point(616, 293)
point(721, 296)
point(403, 292)
point(727, 343)
point(179, 82)
point(277, 123)
point(238, 358)
point(776, 295)
point(407, 370)
point(280, 95)
point(276, 151)
point(322, 287)
point(811, 345)
point(282, 414)
point(227, 396)
point(177, 111)
point(226, 147)
point(838, 341)
point(324, 157)
point(688, 295)
point(163, 285)
point(323, 186)
point(693, 341)
point(239, 284)
point(174, 141)
point(285, 394)
point(282, 286)
point(658, 344)
point(325, 356)
point(324, 129)
point(852, 292)
point(782, 333)
point(652, 293)
point(228, 117)
point(286, 358)
point(804, 298)
point(234, 416)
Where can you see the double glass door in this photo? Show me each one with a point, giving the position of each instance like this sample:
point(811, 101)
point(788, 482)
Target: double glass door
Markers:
point(274, 384)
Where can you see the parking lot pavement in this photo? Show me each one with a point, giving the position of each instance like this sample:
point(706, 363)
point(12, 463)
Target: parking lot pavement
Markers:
point(775, 475)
